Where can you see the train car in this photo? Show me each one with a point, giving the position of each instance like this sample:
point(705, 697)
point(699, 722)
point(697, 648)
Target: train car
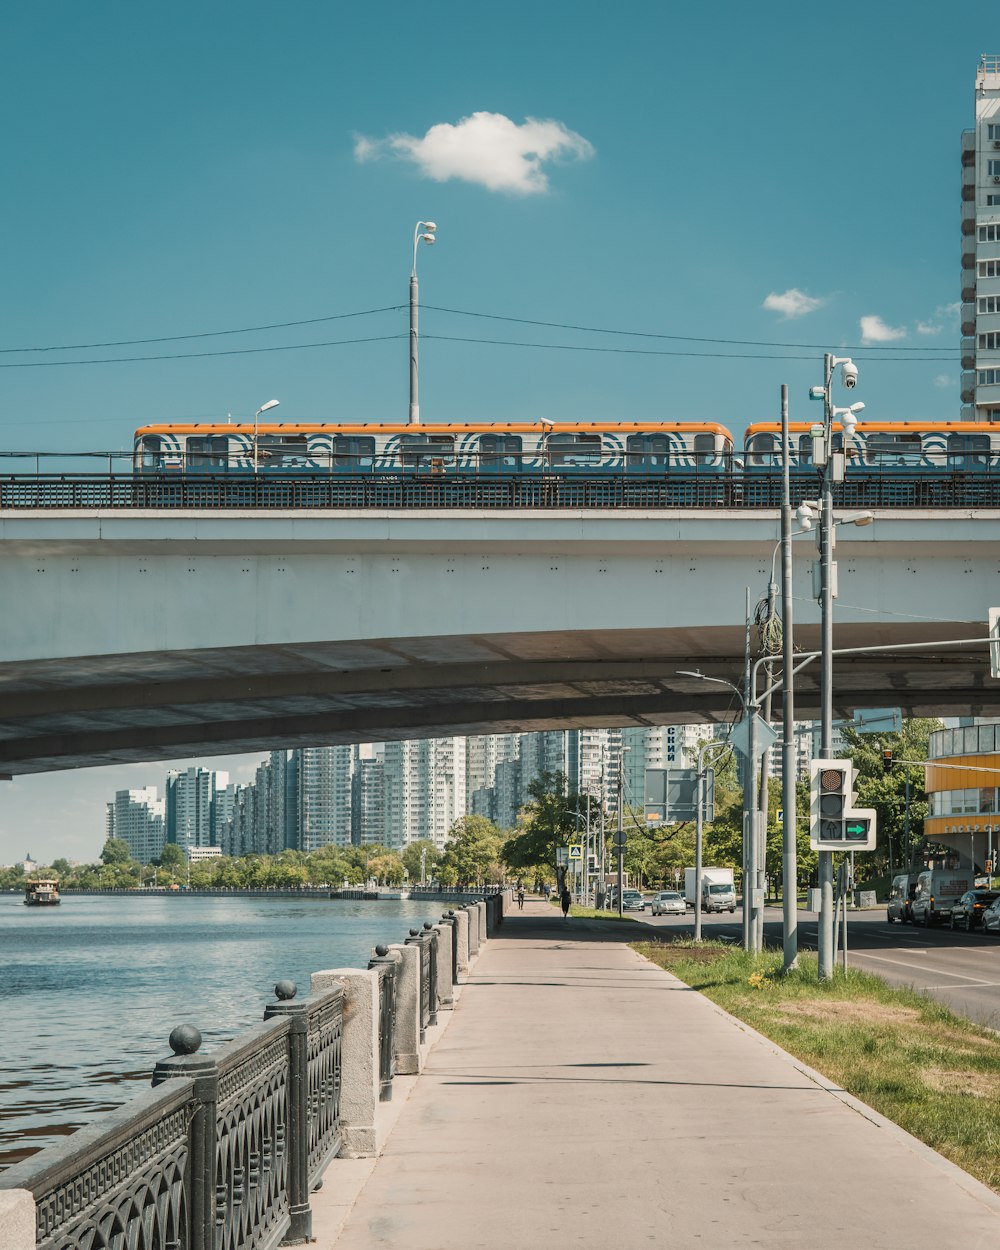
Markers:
point(655, 452)
point(892, 462)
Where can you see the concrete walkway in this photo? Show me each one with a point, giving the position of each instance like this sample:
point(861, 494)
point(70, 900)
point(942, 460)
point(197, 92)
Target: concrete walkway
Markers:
point(581, 1097)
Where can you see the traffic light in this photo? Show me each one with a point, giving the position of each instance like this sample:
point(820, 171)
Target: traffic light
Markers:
point(887, 761)
point(836, 824)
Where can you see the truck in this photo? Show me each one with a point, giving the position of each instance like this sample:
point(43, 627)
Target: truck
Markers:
point(718, 890)
point(937, 891)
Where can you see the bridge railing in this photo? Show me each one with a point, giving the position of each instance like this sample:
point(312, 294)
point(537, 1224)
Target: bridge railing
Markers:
point(875, 488)
point(225, 1149)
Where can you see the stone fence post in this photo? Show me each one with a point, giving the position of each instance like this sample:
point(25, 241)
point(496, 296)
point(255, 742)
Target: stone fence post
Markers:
point(481, 917)
point(359, 1068)
point(17, 1218)
point(445, 991)
point(462, 932)
point(407, 1009)
point(473, 917)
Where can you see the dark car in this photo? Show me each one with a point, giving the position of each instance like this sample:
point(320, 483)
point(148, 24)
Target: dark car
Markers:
point(967, 911)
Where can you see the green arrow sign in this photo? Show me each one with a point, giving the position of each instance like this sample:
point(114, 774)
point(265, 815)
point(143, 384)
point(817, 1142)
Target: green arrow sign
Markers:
point(857, 828)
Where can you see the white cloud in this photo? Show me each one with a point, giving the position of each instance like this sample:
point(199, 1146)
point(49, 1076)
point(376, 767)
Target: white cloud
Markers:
point(792, 303)
point(875, 330)
point(949, 310)
point(927, 327)
point(487, 149)
point(943, 381)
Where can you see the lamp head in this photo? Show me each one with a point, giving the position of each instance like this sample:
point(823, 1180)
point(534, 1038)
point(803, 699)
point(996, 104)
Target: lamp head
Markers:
point(428, 238)
point(271, 403)
point(429, 225)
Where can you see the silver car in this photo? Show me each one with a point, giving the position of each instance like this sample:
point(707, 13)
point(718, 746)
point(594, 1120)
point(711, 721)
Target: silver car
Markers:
point(669, 903)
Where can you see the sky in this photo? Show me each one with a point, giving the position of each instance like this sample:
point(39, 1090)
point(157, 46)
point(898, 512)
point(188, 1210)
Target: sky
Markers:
point(716, 194)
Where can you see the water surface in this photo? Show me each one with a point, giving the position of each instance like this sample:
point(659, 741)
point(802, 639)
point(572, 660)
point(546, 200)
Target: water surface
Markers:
point(91, 989)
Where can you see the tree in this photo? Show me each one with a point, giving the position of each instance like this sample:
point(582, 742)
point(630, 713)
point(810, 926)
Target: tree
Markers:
point(172, 857)
point(115, 851)
point(61, 867)
point(387, 868)
point(474, 851)
point(547, 821)
point(421, 851)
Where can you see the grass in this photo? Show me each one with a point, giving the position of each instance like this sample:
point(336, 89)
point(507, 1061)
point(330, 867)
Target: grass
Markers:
point(930, 1071)
point(591, 913)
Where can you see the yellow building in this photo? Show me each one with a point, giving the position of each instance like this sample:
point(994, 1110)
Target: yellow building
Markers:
point(962, 792)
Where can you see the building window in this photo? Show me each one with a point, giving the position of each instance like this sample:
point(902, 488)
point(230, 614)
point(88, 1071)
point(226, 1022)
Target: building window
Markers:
point(993, 201)
point(989, 269)
point(989, 304)
point(993, 168)
point(993, 131)
point(989, 234)
point(989, 342)
point(988, 377)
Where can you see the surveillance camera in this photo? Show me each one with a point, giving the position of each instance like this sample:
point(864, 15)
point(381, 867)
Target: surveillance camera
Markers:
point(849, 374)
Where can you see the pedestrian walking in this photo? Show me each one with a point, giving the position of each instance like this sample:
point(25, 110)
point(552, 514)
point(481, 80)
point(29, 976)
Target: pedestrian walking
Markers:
point(520, 898)
point(565, 899)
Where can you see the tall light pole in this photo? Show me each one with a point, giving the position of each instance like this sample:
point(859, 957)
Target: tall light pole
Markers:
point(271, 403)
point(833, 465)
point(423, 232)
point(699, 824)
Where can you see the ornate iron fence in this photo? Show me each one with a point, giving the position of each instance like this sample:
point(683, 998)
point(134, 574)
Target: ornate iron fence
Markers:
point(420, 939)
point(386, 966)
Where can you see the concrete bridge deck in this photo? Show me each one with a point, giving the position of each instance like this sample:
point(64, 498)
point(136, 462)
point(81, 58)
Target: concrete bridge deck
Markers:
point(581, 1096)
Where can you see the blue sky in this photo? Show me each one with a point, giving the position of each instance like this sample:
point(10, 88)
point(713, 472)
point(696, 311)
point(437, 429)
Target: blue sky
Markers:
point(653, 167)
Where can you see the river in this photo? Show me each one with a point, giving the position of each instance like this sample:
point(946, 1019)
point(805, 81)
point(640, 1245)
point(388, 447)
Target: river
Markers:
point(92, 988)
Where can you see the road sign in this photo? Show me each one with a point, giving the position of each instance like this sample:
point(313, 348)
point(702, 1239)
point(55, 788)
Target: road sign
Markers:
point(878, 720)
point(835, 823)
point(781, 817)
point(994, 623)
point(562, 856)
point(671, 795)
point(575, 852)
point(764, 736)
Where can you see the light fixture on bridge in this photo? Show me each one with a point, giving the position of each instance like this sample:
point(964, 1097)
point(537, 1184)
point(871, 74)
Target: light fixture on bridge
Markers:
point(271, 403)
point(423, 232)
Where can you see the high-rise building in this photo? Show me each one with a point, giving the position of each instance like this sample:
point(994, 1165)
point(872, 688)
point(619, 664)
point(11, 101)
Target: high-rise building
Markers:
point(138, 820)
point(189, 799)
point(981, 250)
point(324, 797)
point(368, 795)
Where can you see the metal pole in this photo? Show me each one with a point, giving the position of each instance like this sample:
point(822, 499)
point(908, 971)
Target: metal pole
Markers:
point(826, 931)
point(906, 821)
point(699, 818)
point(586, 859)
point(414, 347)
point(749, 798)
point(789, 849)
point(621, 841)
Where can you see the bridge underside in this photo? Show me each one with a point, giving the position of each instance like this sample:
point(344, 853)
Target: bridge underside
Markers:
point(135, 636)
point(114, 709)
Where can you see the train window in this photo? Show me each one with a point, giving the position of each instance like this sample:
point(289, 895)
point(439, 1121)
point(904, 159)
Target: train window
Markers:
point(207, 451)
point(886, 448)
point(647, 451)
point(573, 450)
point(968, 451)
point(152, 451)
point(704, 449)
point(282, 451)
point(426, 451)
point(353, 452)
point(499, 451)
point(761, 449)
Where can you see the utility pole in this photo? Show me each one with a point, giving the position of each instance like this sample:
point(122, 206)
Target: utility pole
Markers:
point(620, 839)
point(789, 849)
point(826, 919)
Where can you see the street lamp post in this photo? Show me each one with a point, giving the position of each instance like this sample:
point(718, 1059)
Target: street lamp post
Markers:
point(425, 232)
point(699, 819)
point(271, 403)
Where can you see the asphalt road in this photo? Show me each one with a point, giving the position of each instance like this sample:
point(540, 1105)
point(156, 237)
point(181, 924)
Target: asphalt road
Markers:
point(961, 970)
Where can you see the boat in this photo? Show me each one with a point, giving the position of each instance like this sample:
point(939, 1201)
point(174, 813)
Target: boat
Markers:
point(41, 892)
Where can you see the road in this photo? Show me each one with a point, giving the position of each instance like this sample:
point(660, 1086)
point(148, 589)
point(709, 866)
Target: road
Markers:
point(961, 970)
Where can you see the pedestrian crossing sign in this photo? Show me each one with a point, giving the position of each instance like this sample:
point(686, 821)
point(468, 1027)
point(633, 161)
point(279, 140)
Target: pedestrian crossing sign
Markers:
point(575, 852)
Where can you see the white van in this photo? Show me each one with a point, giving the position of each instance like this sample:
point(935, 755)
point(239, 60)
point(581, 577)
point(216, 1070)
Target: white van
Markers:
point(937, 891)
point(900, 897)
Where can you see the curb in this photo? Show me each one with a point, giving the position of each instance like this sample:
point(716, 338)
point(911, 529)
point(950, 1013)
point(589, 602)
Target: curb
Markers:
point(975, 1189)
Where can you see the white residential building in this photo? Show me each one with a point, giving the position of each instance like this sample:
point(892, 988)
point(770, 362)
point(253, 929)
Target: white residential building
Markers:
point(324, 796)
point(980, 308)
point(139, 821)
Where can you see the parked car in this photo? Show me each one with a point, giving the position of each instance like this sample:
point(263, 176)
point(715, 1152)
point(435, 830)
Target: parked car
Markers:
point(632, 900)
point(967, 911)
point(990, 917)
point(901, 894)
point(668, 903)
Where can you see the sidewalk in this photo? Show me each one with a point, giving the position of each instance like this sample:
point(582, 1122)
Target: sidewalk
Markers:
point(582, 1097)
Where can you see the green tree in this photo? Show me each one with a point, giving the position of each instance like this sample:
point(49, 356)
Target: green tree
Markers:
point(474, 850)
point(547, 821)
point(172, 857)
point(115, 851)
point(61, 867)
point(412, 859)
point(387, 868)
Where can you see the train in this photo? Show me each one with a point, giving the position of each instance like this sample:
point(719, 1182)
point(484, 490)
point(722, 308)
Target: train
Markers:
point(651, 449)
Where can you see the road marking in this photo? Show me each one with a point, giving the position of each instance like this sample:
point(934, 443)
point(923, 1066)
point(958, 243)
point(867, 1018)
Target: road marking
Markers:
point(972, 985)
point(903, 963)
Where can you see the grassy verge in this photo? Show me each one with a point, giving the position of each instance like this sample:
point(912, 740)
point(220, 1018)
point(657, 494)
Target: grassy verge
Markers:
point(591, 913)
point(931, 1072)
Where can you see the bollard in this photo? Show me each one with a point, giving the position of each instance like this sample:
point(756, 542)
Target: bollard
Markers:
point(473, 917)
point(184, 1042)
point(481, 918)
point(300, 1226)
point(462, 944)
point(445, 942)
